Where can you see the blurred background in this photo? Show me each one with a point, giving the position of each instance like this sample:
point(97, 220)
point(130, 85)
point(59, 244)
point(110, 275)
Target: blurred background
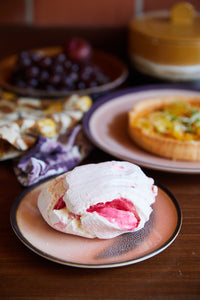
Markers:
point(50, 22)
point(104, 13)
point(105, 23)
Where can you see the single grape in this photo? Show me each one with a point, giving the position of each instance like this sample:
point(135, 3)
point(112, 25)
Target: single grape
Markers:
point(67, 64)
point(57, 68)
point(60, 58)
point(78, 49)
point(44, 76)
point(32, 72)
point(35, 57)
point(24, 62)
point(32, 83)
point(45, 62)
point(81, 85)
point(73, 76)
point(75, 67)
point(23, 54)
point(49, 88)
point(66, 81)
point(54, 79)
point(20, 83)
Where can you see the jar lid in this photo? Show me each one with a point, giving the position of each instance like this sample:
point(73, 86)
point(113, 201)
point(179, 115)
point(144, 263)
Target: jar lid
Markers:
point(167, 37)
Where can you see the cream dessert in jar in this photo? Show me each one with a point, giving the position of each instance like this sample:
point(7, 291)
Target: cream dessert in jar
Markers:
point(166, 44)
point(101, 200)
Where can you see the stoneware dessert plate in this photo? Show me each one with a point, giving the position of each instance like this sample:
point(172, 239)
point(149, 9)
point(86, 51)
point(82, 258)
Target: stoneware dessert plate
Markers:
point(157, 234)
point(110, 65)
point(106, 125)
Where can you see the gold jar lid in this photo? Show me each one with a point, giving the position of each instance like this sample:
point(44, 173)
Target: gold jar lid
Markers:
point(168, 38)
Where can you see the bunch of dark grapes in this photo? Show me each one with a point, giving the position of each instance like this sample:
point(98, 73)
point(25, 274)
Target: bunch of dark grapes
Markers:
point(72, 69)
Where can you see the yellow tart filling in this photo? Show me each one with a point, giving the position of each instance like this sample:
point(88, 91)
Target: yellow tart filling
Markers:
point(178, 120)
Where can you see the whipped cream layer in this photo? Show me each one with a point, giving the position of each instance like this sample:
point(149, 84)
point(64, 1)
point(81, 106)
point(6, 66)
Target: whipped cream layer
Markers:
point(98, 200)
point(164, 71)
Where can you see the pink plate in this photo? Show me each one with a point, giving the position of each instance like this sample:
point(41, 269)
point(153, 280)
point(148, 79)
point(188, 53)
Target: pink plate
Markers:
point(71, 250)
point(106, 125)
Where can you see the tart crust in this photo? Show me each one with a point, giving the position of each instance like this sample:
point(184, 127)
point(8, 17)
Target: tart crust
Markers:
point(157, 143)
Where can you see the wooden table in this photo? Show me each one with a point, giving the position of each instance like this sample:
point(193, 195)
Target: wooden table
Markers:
point(172, 274)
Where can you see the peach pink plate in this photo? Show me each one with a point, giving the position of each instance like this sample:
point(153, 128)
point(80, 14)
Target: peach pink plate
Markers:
point(70, 250)
point(106, 125)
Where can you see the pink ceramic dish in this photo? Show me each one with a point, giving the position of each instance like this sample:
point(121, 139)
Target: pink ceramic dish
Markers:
point(106, 125)
point(126, 249)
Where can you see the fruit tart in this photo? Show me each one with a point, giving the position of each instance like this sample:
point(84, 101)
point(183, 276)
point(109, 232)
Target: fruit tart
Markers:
point(167, 126)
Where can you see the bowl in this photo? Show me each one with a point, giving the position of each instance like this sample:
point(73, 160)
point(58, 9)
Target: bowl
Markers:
point(110, 65)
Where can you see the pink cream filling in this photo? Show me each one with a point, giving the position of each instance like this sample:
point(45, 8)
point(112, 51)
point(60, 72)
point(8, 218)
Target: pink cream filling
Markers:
point(61, 204)
point(120, 211)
